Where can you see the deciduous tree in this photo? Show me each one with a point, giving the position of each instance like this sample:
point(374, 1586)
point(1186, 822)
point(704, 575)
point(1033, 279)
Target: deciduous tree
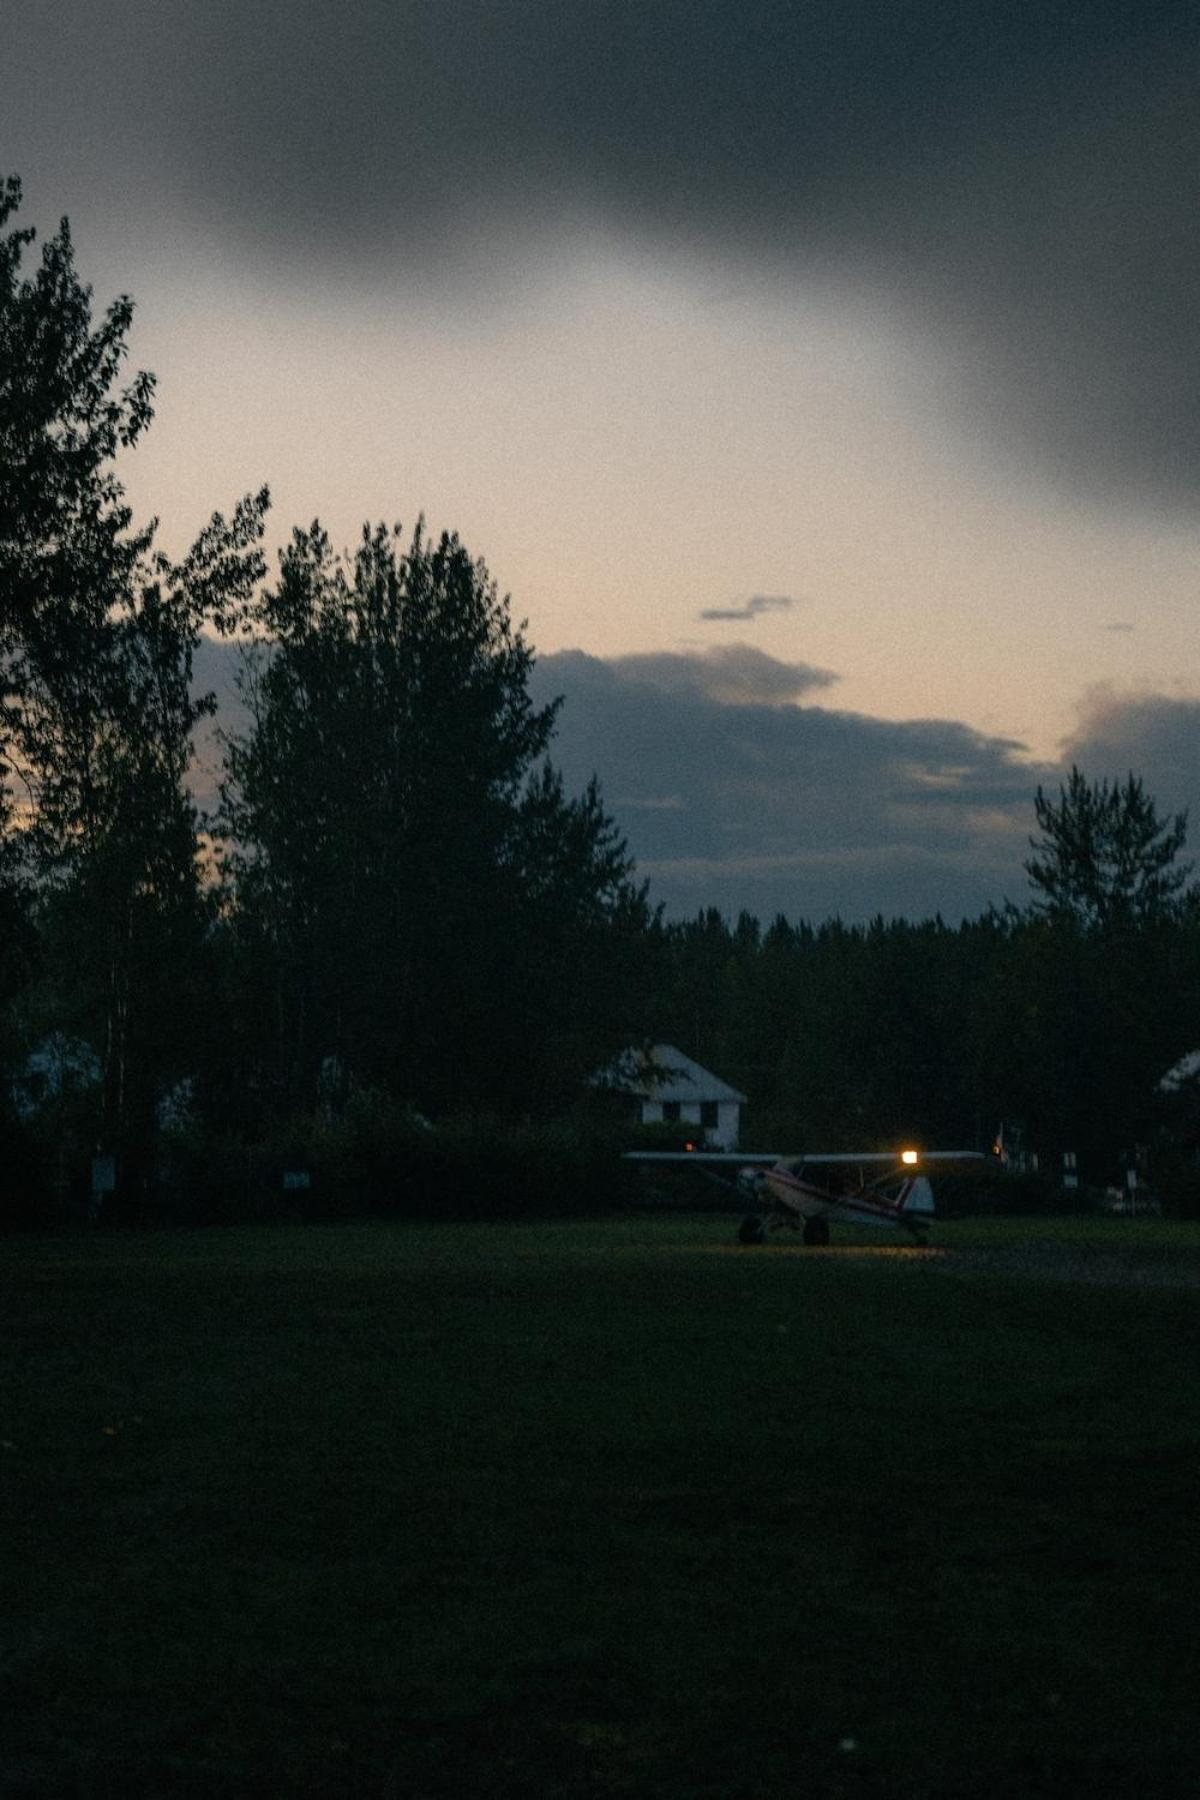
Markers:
point(97, 631)
point(438, 916)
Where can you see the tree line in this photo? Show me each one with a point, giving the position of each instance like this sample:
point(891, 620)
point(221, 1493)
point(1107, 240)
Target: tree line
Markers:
point(395, 917)
point(395, 893)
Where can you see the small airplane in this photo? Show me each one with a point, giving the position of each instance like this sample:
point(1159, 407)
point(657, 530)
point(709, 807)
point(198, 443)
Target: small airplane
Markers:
point(798, 1193)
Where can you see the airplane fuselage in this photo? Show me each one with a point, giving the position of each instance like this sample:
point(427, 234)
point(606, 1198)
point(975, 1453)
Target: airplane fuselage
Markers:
point(846, 1198)
point(810, 1192)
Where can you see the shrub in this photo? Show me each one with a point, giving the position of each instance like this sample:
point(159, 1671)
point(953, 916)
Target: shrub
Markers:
point(381, 1157)
point(965, 1191)
point(27, 1200)
point(1177, 1186)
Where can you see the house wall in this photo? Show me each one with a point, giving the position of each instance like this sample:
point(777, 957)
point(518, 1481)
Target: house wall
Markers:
point(721, 1136)
point(729, 1119)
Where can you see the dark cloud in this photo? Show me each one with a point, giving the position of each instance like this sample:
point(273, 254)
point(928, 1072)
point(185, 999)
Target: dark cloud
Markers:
point(750, 609)
point(732, 674)
point(793, 808)
point(1153, 736)
point(215, 669)
point(776, 807)
point(1021, 178)
point(771, 807)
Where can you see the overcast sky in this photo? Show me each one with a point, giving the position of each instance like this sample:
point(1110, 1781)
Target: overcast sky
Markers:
point(822, 382)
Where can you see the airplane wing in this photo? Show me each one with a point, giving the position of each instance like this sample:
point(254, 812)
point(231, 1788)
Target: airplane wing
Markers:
point(954, 1156)
point(746, 1157)
point(890, 1156)
point(742, 1158)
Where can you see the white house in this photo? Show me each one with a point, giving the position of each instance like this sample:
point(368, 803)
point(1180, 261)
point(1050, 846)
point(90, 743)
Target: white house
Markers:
point(673, 1086)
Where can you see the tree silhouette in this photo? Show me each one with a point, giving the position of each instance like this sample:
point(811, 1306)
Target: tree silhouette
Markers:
point(1105, 857)
point(431, 911)
point(97, 632)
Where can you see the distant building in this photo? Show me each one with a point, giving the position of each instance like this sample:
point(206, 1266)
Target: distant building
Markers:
point(1181, 1075)
point(673, 1087)
point(1179, 1102)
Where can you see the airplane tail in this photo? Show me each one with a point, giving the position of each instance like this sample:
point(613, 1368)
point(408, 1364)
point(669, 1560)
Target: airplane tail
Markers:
point(918, 1202)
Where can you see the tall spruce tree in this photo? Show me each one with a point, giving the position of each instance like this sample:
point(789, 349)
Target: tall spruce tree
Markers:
point(1105, 856)
point(1097, 966)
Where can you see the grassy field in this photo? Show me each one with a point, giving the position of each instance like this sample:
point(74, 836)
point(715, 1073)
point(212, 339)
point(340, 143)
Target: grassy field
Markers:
point(613, 1508)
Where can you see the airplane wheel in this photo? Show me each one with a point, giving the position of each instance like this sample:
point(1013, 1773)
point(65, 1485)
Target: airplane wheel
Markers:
point(750, 1231)
point(816, 1231)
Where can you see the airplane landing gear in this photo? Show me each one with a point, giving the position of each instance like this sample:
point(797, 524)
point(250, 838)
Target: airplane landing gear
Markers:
point(751, 1230)
point(816, 1231)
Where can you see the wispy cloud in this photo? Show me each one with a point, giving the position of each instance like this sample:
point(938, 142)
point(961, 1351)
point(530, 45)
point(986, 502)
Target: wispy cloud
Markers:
point(750, 609)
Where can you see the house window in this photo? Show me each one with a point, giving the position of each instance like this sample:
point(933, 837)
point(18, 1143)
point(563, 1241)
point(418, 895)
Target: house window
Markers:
point(671, 1110)
point(709, 1116)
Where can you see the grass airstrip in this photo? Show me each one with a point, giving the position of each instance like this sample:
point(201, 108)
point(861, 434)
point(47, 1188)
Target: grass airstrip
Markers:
point(601, 1508)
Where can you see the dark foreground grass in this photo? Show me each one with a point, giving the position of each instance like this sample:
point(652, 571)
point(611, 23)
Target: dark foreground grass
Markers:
point(610, 1508)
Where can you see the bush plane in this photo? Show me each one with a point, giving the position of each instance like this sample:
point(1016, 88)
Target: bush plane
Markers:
point(809, 1193)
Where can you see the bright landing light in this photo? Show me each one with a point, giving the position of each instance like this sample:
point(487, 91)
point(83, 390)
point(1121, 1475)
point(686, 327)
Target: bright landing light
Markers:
point(908, 1156)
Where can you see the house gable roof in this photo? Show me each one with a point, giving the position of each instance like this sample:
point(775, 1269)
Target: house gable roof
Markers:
point(675, 1076)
